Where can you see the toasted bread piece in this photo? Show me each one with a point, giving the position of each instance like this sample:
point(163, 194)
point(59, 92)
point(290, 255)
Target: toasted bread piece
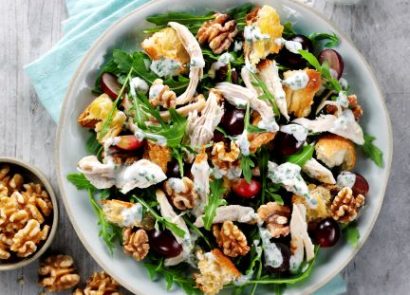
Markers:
point(267, 21)
point(166, 44)
point(334, 150)
point(299, 101)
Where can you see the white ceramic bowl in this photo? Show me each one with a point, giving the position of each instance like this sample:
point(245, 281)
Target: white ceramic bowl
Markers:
point(71, 139)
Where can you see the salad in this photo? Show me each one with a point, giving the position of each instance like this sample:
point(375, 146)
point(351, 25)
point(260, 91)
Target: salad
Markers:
point(222, 154)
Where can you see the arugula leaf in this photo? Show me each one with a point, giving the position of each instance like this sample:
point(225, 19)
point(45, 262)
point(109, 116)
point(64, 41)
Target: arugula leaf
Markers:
point(246, 165)
point(288, 30)
point(163, 220)
point(372, 151)
point(267, 95)
point(80, 181)
point(352, 234)
point(268, 280)
point(172, 275)
point(106, 125)
point(301, 157)
point(324, 70)
point(274, 196)
point(332, 39)
point(214, 201)
point(196, 230)
point(181, 17)
point(175, 131)
point(263, 159)
point(239, 14)
point(109, 232)
point(93, 146)
point(138, 62)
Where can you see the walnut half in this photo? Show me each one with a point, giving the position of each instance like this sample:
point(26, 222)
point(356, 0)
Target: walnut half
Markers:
point(57, 273)
point(181, 192)
point(218, 33)
point(276, 218)
point(231, 239)
point(345, 206)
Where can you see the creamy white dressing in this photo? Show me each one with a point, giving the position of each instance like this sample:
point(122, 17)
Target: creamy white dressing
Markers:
point(299, 132)
point(141, 135)
point(288, 174)
point(243, 142)
point(132, 215)
point(231, 173)
point(201, 172)
point(155, 90)
point(252, 33)
point(298, 80)
point(342, 99)
point(237, 46)
point(346, 179)
point(223, 61)
point(176, 184)
point(197, 62)
point(140, 174)
point(139, 84)
point(165, 67)
point(292, 46)
point(272, 253)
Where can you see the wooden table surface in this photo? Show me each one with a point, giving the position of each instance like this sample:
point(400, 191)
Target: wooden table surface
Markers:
point(379, 28)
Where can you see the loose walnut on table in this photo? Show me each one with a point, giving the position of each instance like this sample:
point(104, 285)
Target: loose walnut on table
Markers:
point(99, 283)
point(57, 273)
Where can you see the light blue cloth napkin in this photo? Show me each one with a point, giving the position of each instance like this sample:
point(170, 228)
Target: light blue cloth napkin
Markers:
point(51, 73)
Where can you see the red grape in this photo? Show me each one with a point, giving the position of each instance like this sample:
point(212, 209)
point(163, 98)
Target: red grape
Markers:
point(110, 85)
point(326, 233)
point(129, 143)
point(246, 190)
point(233, 120)
point(293, 60)
point(164, 243)
point(333, 58)
point(361, 186)
point(286, 144)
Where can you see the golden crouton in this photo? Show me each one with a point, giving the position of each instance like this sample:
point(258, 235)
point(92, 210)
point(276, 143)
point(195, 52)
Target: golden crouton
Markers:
point(334, 151)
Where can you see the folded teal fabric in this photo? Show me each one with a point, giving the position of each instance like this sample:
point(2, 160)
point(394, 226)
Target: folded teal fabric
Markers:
point(51, 73)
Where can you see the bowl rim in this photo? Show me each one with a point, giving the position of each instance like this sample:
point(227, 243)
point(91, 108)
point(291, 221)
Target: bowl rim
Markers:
point(387, 156)
point(46, 184)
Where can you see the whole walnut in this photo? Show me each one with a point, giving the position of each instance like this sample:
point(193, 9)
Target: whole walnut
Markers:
point(57, 273)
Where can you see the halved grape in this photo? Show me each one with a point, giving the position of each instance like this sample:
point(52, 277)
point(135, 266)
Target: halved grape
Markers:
point(334, 59)
point(233, 120)
point(110, 85)
point(286, 144)
point(361, 186)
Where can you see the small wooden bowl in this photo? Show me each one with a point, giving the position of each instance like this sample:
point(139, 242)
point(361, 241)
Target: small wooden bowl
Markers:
point(31, 174)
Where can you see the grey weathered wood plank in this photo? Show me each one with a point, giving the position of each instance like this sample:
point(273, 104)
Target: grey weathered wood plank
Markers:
point(379, 28)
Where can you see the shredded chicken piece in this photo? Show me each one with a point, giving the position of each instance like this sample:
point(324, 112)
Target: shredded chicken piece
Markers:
point(201, 171)
point(201, 127)
point(269, 74)
point(345, 126)
point(197, 61)
point(301, 244)
point(194, 106)
point(141, 174)
point(100, 175)
point(317, 171)
point(231, 213)
point(240, 96)
point(168, 212)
